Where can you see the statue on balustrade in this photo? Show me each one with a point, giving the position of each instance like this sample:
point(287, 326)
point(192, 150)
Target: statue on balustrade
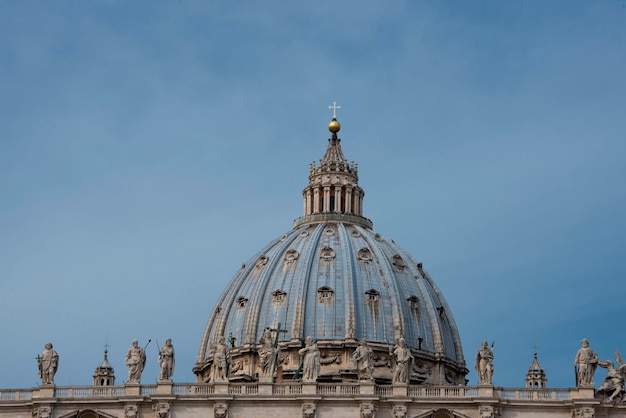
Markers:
point(484, 364)
point(310, 361)
point(166, 361)
point(220, 361)
point(266, 352)
point(48, 363)
point(585, 363)
point(363, 358)
point(136, 361)
point(404, 362)
point(614, 380)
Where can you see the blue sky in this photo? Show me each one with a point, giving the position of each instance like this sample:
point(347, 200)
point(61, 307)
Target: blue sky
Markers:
point(147, 149)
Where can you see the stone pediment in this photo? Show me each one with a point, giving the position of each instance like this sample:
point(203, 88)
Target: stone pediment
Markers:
point(87, 413)
point(437, 413)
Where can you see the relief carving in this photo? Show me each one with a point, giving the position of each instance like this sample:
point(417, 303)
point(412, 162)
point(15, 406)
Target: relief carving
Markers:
point(42, 412)
point(220, 410)
point(399, 411)
point(130, 411)
point(329, 358)
point(583, 412)
point(161, 410)
point(489, 412)
point(368, 410)
point(308, 410)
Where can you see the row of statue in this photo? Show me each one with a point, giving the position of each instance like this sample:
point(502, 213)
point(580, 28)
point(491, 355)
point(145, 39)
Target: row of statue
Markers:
point(48, 362)
point(310, 357)
point(585, 363)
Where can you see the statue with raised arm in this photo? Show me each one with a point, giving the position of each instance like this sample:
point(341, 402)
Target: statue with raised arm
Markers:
point(363, 358)
point(166, 361)
point(48, 363)
point(585, 362)
point(135, 360)
point(484, 364)
point(311, 360)
point(404, 362)
point(614, 380)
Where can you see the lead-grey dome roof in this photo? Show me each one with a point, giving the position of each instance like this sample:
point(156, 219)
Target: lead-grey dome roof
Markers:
point(335, 279)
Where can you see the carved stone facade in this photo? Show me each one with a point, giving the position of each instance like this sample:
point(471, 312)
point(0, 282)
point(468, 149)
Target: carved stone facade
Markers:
point(583, 412)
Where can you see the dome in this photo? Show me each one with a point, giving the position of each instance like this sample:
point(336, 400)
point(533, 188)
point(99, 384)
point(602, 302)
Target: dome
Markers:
point(335, 279)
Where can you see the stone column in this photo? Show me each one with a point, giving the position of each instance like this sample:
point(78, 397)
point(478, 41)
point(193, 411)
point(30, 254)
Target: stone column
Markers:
point(316, 200)
point(307, 207)
point(338, 199)
point(326, 200)
point(348, 205)
point(357, 199)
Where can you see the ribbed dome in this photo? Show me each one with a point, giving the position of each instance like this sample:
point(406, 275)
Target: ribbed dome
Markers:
point(333, 278)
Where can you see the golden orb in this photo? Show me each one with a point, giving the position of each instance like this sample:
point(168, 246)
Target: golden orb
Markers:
point(334, 126)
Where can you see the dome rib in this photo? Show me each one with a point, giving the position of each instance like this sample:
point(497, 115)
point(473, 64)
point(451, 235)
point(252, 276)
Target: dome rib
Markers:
point(348, 288)
point(386, 271)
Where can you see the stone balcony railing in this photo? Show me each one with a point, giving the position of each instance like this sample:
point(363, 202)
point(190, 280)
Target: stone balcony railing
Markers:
point(247, 390)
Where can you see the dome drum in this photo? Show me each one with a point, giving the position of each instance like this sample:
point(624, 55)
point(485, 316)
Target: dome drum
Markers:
point(337, 364)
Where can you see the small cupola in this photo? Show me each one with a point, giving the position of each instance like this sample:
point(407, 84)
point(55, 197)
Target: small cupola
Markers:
point(104, 375)
point(536, 377)
point(333, 193)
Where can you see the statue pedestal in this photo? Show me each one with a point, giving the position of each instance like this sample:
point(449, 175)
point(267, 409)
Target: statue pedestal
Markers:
point(132, 389)
point(164, 387)
point(266, 379)
point(585, 392)
point(45, 391)
point(221, 388)
point(309, 388)
point(399, 389)
point(485, 391)
point(366, 388)
point(265, 388)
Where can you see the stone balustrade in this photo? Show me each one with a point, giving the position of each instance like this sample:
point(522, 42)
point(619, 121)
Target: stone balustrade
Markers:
point(260, 389)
